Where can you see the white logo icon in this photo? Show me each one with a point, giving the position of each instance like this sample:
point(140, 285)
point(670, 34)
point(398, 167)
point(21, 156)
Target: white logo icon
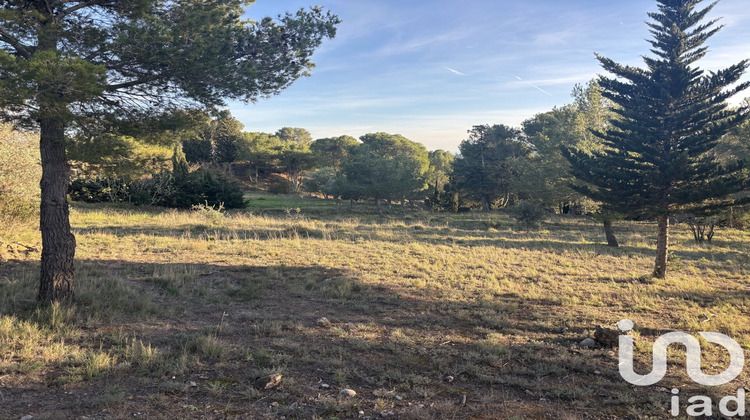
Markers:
point(692, 352)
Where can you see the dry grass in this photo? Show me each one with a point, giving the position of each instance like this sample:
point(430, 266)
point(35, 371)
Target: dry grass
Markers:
point(179, 312)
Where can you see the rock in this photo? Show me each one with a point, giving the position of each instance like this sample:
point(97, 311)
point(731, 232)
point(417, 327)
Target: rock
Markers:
point(267, 382)
point(325, 386)
point(607, 337)
point(448, 378)
point(323, 323)
point(193, 384)
point(588, 343)
point(27, 417)
point(348, 392)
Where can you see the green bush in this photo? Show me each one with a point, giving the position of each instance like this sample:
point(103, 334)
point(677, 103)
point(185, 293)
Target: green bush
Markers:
point(529, 214)
point(203, 186)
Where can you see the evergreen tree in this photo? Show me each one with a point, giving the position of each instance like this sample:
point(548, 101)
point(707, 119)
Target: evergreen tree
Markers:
point(487, 163)
point(657, 156)
point(67, 65)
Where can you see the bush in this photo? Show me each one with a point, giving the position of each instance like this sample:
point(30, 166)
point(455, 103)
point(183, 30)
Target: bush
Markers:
point(99, 189)
point(212, 188)
point(204, 186)
point(282, 187)
point(529, 214)
point(20, 172)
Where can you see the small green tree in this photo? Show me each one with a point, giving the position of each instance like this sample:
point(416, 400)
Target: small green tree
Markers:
point(657, 157)
point(260, 151)
point(295, 135)
point(386, 167)
point(333, 151)
point(295, 160)
point(439, 173)
point(225, 133)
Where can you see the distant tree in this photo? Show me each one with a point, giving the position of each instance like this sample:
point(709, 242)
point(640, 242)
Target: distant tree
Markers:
point(333, 151)
point(294, 161)
point(546, 177)
point(486, 164)
point(439, 172)
point(323, 181)
point(67, 65)
point(225, 133)
point(260, 151)
point(657, 157)
point(294, 135)
point(385, 167)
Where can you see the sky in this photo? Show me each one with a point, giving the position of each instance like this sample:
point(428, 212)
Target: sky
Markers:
point(430, 70)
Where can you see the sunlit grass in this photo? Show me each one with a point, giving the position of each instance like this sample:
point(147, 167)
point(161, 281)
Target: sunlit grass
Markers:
point(412, 297)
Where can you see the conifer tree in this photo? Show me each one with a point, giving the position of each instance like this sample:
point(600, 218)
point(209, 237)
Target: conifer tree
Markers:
point(68, 66)
point(656, 160)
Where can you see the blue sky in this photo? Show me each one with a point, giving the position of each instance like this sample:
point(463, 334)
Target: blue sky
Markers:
point(430, 70)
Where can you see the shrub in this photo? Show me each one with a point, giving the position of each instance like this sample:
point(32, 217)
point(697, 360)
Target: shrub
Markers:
point(282, 187)
point(529, 214)
point(203, 186)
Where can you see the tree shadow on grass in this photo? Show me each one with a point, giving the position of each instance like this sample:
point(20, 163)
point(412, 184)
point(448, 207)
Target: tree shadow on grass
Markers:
point(220, 326)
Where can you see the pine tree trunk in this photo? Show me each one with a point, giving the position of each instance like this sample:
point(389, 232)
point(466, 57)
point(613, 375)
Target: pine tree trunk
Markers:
point(58, 242)
point(609, 233)
point(662, 246)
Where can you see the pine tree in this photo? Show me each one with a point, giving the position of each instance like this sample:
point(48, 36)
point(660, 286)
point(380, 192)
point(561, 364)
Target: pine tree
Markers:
point(656, 160)
point(73, 66)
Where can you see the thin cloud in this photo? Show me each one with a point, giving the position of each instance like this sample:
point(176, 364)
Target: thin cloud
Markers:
point(454, 71)
point(534, 86)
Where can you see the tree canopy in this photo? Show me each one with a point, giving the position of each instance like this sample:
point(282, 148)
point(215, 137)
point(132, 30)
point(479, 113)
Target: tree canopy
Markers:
point(387, 166)
point(97, 66)
point(485, 166)
point(657, 158)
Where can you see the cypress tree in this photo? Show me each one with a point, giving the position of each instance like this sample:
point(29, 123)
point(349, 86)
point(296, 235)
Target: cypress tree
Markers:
point(656, 158)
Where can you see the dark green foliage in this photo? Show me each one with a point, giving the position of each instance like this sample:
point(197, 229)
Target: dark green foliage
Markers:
point(205, 186)
point(225, 133)
point(546, 176)
point(439, 173)
point(333, 151)
point(487, 163)
point(281, 187)
point(197, 150)
point(100, 189)
point(176, 189)
point(529, 214)
point(385, 167)
point(295, 160)
point(294, 135)
point(657, 157)
point(323, 180)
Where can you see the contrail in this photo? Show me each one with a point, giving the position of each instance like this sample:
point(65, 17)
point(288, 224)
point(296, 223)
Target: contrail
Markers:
point(454, 71)
point(534, 86)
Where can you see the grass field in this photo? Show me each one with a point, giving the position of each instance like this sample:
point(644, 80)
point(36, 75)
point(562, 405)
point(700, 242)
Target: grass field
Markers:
point(431, 315)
